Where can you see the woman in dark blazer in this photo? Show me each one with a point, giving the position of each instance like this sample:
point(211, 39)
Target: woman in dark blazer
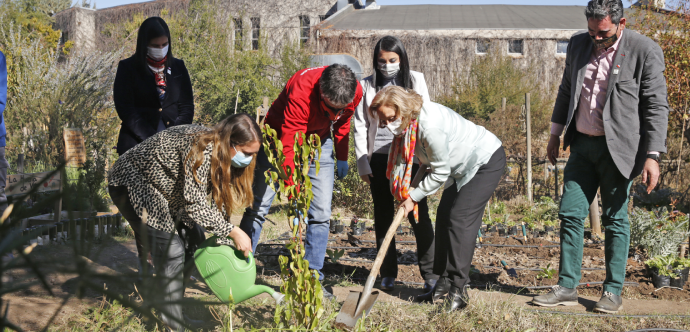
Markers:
point(153, 92)
point(152, 89)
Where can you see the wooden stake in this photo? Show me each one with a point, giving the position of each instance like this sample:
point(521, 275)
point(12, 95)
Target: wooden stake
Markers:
point(529, 147)
point(594, 221)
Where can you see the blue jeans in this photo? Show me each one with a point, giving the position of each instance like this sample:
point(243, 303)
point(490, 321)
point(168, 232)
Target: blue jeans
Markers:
point(319, 213)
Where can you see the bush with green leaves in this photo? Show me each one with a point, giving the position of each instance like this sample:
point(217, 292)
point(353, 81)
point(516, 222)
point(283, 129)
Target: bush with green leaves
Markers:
point(657, 231)
point(351, 193)
point(657, 198)
point(302, 307)
point(663, 265)
point(48, 93)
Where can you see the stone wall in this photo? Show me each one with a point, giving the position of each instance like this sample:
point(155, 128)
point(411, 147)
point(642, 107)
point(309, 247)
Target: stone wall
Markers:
point(446, 55)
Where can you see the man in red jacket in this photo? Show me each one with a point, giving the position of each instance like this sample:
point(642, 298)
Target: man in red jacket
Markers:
point(318, 101)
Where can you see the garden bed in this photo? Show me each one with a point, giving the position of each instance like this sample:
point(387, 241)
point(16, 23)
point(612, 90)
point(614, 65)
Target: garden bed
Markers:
point(527, 257)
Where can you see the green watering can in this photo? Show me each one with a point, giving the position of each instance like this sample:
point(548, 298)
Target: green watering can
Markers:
point(228, 273)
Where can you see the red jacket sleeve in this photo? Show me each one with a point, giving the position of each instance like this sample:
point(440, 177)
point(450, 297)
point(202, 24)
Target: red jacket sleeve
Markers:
point(341, 129)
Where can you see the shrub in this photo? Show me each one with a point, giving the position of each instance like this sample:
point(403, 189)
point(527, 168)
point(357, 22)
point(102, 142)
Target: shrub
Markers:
point(48, 93)
point(351, 193)
point(657, 231)
point(663, 265)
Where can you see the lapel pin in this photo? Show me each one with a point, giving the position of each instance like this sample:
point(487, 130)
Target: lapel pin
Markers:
point(170, 73)
point(616, 66)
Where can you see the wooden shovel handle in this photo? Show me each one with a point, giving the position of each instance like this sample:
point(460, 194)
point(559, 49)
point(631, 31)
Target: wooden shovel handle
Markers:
point(369, 285)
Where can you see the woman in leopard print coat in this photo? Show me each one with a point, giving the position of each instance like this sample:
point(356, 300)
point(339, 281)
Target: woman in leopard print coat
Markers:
point(162, 185)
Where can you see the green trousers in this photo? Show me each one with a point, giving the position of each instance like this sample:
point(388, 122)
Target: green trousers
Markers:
point(590, 167)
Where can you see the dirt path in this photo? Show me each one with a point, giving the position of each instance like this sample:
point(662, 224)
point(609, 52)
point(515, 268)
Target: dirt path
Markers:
point(630, 307)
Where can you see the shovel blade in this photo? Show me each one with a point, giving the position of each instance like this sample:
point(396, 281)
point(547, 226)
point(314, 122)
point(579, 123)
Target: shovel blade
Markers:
point(348, 315)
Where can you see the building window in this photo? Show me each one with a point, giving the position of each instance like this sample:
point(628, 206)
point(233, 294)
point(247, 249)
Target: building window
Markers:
point(483, 46)
point(303, 29)
point(238, 34)
point(561, 46)
point(256, 31)
point(515, 46)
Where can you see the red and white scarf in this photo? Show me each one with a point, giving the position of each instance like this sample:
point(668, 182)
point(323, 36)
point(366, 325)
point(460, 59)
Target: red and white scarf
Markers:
point(158, 68)
point(400, 161)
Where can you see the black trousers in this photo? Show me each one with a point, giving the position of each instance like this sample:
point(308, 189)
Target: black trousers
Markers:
point(459, 218)
point(384, 212)
point(168, 251)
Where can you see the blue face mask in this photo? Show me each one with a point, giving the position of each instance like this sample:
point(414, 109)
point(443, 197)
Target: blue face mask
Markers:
point(240, 160)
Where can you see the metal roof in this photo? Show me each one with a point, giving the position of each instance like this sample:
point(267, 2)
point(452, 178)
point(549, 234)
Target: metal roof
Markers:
point(448, 17)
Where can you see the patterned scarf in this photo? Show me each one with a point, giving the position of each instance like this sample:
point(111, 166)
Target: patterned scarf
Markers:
point(400, 160)
point(158, 68)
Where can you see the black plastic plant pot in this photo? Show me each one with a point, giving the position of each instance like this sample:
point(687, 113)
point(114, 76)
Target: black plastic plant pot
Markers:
point(660, 281)
point(339, 229)
point(683, 275)
point(588, 234)
point(334, 224)
point(363, 226)
point(548, 228)
point(483, 228)
point(677, 282)
point(492, 229)
point(356, 230)
point(513, 230)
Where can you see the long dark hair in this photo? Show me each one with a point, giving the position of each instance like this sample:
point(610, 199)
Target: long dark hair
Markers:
point(230, 187)
point(392, 44)
point(152, 27)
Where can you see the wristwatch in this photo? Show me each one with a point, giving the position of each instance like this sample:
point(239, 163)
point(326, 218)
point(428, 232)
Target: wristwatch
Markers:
point(654, 156)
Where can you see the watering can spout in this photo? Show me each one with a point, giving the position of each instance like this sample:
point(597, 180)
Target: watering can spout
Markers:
point(260, 289)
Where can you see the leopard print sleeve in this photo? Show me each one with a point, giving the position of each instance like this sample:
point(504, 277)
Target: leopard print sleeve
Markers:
point(197, 206)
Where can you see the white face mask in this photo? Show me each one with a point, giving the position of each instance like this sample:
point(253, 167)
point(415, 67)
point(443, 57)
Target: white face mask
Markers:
point(395, 127)
point(389, 70)
point(158, 53)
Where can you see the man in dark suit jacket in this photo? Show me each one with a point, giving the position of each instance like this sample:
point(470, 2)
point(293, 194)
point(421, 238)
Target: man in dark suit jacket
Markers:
point(612, 104)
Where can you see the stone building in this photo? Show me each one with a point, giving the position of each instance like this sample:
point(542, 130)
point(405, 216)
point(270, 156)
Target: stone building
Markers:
point(273, 22)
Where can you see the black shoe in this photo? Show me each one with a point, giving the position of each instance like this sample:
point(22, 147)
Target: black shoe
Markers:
point(429, 285)
point(440, 289)
point(195, 324)
point(457, 299)
point(327, 295)
point(387, 284)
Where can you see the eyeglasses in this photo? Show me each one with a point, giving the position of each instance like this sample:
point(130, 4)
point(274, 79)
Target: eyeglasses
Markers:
point(332, 113)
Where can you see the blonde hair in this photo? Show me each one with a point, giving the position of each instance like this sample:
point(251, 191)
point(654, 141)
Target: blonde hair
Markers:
point(230, 187)
point(406, 102)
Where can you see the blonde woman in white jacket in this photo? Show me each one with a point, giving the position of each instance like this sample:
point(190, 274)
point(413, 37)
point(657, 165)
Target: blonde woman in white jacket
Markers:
point(391, 67)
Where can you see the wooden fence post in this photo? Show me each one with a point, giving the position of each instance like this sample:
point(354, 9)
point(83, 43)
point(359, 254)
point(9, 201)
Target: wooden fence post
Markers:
point(20, 164)
point(529, 147)
point(555, 178)
point(594, 221)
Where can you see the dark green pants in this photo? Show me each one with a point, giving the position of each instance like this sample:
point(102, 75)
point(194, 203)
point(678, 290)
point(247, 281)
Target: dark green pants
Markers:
point(589, 167)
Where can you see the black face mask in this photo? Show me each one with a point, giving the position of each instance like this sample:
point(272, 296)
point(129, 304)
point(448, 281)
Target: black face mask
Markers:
point(600, 44)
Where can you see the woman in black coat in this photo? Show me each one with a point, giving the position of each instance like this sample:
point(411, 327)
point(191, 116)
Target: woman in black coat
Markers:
point(152, 89)
point(153, 92)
